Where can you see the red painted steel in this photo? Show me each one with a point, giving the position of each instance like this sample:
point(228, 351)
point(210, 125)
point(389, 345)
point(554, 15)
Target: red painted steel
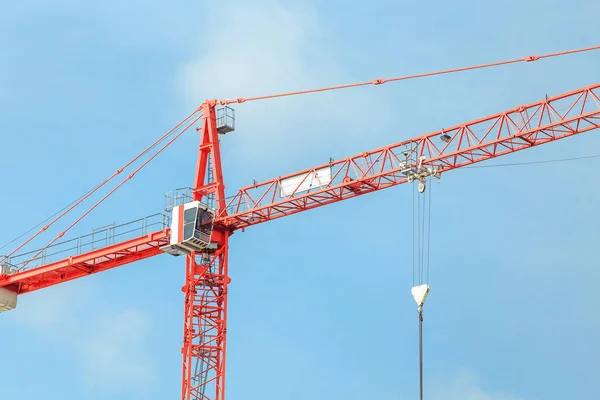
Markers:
point(205, 309)
point(499, 134)
point(180, 224)
point(193, 117)
point(205, 318)
point(93, 262)
point(86, 264)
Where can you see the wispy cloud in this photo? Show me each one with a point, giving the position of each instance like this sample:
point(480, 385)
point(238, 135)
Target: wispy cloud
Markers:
point(112, 352)
point(269, 48)
point(48, 310)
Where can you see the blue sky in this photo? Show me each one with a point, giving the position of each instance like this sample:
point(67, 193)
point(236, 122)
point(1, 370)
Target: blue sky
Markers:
point(320, 302)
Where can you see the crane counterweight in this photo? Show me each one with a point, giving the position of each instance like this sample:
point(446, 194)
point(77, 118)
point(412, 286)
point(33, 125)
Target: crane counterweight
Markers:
point(8, 300)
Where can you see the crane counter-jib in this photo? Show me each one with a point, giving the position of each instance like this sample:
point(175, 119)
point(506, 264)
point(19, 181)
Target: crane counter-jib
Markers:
point(74, 267)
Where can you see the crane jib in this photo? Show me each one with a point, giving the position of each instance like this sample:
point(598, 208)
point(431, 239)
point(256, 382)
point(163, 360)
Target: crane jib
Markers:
point(345, 178)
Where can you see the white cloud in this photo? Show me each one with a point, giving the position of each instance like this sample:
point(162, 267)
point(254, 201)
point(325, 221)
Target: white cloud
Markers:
point(256, 50)
point(464, 386)
point(268, 48)
point(112, 350)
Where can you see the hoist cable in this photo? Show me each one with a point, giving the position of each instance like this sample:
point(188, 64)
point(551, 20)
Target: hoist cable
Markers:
point(423, 249)
point(130, 176)
point(87, 195)
point(422, 236)
point(419, 245)
point(413, 237)
point(429, 232)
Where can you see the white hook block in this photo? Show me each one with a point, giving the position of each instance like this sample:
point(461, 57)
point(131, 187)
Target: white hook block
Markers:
point(419, 293)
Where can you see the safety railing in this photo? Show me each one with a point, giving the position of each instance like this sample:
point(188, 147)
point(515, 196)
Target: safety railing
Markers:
point(178, 197)
point(99, 238)
point(184, 195)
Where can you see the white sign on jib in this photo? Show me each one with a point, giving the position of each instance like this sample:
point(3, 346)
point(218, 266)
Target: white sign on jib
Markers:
point(317, 178)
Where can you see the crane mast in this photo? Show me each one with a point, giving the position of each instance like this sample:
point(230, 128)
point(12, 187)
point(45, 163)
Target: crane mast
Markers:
point(206, 243)
point(207, 277)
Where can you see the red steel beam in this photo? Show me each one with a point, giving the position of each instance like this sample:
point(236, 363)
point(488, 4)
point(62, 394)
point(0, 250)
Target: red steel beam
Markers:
point(86, 264)
point(74, 267)
point(483, 139)
point(206, 282)
point(520, 128)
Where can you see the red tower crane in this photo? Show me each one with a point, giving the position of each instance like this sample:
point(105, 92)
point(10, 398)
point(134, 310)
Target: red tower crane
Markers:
point(202, 219)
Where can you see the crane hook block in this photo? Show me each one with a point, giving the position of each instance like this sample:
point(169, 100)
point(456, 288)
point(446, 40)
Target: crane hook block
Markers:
point(191, 228)
point(419, 293)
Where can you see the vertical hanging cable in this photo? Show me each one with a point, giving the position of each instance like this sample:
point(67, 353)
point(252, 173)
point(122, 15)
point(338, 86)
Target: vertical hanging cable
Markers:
point(422, 239)
point(422, 242)
point(419, 244)
point(413, 238)
point(429, 231)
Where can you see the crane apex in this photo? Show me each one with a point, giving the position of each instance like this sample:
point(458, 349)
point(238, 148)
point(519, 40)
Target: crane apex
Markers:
point(419, 293)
